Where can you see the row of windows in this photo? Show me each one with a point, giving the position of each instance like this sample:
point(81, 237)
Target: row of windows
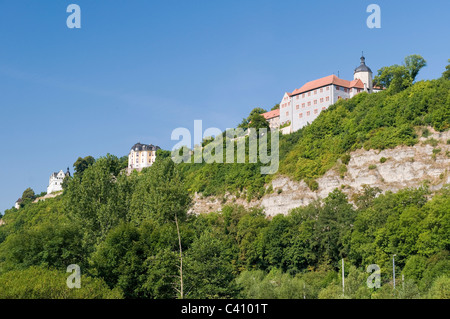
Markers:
point(346, 90)
point(137, 161)
point(314, 92)
point(142, 154)
point(308, 113)
point(321, 100)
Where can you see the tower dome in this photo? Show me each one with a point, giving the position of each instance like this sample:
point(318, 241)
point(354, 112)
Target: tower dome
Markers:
point(363, 67)
point(364, 73)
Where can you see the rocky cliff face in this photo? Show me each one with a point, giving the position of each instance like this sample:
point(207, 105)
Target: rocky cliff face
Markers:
point(390, 169)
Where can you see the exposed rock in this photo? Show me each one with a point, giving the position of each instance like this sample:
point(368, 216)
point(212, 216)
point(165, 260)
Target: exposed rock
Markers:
point(47, 196)
point(405, 167)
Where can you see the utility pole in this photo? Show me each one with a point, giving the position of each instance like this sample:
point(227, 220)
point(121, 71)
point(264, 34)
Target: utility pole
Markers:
point(343, 279)
point(393, 268)
point(180, 291)
point(304, 295)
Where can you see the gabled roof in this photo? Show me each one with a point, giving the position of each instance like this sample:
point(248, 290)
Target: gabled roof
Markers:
point(356, 84)
point(271, 114)
point(330, 79)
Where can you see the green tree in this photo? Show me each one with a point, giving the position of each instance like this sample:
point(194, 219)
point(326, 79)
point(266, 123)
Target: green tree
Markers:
point(50, 243)
point(160, 194)
point(100, 199)
point(446, 73)
point(399, 77)
point(81, 164)
point(258, 121)
point(162, 154)
point(395, 77)
point(42, 283)
point(28, 194)
point(209, 273)
point(440, 288)
point(414, 63)
point(253, 113)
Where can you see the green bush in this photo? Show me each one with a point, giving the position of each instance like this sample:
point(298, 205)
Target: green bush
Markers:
point(426, 132)
point(40, 283)
point(345, 159)
point(312, 184)
point(342, 170)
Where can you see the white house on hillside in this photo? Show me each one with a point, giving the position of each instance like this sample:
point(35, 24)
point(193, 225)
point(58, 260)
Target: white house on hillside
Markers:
point(56, 180)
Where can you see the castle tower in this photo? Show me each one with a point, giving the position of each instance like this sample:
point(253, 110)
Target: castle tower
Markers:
point(364, 73)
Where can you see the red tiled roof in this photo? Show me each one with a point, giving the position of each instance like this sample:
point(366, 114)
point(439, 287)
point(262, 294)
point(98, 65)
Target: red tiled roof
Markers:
point(330, 79)
point(271, 114)
point(356, 84)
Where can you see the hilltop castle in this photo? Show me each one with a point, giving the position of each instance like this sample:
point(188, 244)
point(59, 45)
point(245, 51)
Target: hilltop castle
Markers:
point(141, 156)
point(56, 180)
point(303, 105)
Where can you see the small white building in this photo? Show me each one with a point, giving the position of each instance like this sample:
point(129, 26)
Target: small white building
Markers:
point(56, 180)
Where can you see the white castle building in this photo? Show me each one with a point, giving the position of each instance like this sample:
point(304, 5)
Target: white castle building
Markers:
point(303, 105)
point(141, 156)
point(56, 180)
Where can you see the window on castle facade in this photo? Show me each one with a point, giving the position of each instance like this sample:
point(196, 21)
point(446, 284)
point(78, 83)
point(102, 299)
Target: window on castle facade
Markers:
point(327, 98)
point(309, 103)
point(300, 115)
point(316, 111)
point(321, 99)
point(315, 102)
point(308, 113)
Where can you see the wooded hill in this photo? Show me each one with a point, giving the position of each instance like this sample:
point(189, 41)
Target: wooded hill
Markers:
point(133, 238)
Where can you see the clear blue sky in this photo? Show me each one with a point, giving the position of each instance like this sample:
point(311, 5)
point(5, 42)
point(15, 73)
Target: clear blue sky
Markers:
point(138, 69)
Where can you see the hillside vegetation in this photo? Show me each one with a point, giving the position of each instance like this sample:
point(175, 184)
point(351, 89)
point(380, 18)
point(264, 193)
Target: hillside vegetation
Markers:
point(122, 232)
point(132, 236)
point(369, 121)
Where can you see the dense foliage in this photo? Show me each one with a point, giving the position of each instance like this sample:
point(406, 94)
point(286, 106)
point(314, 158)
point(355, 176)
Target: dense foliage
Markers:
point(371, 121)
point(127, 249)
point(133, 237)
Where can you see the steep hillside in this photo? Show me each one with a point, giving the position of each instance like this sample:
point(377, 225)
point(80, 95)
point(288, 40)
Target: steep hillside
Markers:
point(374, 122)
point(427, 162)
point(130, 234)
